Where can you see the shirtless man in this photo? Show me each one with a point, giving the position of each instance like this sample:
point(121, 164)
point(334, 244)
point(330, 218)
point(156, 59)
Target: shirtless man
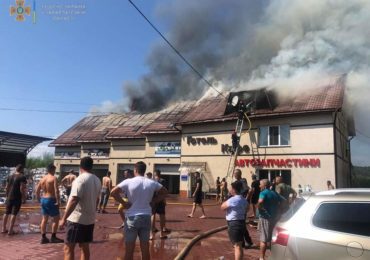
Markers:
point(49, 204)
point(105, 192)
point(67, 182)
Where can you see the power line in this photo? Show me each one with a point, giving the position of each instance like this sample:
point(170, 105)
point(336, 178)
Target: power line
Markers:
point(47, 101)
point(175, 50)
point(47, 111)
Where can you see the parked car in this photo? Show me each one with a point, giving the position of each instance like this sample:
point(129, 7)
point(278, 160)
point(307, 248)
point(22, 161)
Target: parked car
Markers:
point(329, 225)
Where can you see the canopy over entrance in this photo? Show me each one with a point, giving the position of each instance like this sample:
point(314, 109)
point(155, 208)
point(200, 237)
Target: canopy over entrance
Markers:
point(15, 147)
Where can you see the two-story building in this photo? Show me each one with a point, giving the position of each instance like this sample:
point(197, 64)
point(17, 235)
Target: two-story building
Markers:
point(305, 139)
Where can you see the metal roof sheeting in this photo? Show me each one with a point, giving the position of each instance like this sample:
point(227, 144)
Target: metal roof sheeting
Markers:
point(134, 125)
point(19, 143)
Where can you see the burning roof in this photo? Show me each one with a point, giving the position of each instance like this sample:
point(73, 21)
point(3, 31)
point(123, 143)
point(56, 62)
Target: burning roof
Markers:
point(103, 128)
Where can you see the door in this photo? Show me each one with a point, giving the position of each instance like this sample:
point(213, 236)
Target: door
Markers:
point(120, 169)
point(66, 168)
point(170, 173)
point(100, 170)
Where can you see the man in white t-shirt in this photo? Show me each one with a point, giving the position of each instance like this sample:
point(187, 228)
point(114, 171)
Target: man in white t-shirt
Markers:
point(80, 211)
point(141, 194)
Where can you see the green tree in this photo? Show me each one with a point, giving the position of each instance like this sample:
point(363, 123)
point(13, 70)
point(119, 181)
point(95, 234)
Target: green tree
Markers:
point(39, 162)
point(361, 177)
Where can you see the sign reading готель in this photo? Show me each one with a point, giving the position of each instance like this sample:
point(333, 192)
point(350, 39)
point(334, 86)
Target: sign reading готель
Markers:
point(282, 163)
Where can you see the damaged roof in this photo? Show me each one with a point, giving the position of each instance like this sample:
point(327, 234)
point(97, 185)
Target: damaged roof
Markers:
point(103, 128)
point(327, 98)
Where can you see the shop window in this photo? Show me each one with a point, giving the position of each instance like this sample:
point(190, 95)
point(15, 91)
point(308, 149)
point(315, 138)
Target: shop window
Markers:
point(272, 174)
point(274, 135)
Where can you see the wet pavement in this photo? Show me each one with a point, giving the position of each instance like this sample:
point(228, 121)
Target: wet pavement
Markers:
point(108, 237)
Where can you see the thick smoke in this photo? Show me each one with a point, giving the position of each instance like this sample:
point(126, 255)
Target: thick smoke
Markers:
point(239, 44)
point(215, 36)
point(320, 39)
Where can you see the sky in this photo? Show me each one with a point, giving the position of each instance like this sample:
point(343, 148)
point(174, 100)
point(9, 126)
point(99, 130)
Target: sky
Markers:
point(84, 60)
point(67, 62)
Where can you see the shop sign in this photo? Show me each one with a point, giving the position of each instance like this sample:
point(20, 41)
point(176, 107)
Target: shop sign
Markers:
point(184, 177)
point(227, 149)
point(68, 155)
point(201, 140)
point(167, 149)
point(98, 153)
point(281, 163)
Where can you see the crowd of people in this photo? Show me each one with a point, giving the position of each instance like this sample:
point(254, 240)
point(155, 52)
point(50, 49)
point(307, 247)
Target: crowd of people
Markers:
point(268, 203)
point(141, 197)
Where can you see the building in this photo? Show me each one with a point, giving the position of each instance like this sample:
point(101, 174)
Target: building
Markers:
point(305, 139)
point(13, 151)
point(15, 147)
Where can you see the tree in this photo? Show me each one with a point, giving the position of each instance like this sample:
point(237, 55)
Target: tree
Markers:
point(39, 162)
point(361, 177)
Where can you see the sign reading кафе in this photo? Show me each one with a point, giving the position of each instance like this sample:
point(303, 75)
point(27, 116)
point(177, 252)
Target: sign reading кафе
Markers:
point(281, 163)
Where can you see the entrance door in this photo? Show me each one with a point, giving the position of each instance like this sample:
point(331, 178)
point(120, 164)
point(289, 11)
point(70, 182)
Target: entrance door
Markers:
point(121, 169)
point(170, 173)
point(66, 168)
point(100, 170)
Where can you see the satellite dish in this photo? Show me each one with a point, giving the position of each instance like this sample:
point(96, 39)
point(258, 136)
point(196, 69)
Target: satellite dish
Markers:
point(235, 101)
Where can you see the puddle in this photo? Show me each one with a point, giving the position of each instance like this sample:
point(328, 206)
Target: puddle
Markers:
point(27, 228)
point(115, 236)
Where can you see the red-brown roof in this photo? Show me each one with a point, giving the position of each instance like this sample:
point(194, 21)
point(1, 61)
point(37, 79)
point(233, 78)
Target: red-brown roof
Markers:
point(327, 98)
point(165, 122)
point(102, 128)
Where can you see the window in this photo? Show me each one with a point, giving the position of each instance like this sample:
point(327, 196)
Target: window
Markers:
point(271, 175)
point(353, 217)
point(274, 135)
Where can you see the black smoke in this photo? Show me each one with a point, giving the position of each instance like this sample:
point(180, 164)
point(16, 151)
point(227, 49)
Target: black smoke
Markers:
point(215, 36)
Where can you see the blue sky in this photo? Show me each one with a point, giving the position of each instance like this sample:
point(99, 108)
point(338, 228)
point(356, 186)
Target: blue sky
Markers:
point(84, 61)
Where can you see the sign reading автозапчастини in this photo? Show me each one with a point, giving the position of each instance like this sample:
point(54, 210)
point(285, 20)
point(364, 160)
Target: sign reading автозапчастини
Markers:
point(281, 163)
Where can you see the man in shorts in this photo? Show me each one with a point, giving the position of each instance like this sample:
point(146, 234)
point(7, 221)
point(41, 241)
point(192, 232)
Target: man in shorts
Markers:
point(67, 182)
point(268, 206)
point(15, 192)
point(105, 192)
point(140, 191)
point(235, 208)
point(80, 211)
point(160, 209)
point(49, 204)
point(127, 174)
point(244, 192)
point(218, 189)
point(198, 196)
point(255, 193)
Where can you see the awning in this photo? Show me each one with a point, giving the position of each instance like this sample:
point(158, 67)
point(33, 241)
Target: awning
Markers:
point(190, 167)
point(19, 143)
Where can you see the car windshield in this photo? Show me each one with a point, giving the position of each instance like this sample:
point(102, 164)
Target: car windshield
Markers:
point(294, 207)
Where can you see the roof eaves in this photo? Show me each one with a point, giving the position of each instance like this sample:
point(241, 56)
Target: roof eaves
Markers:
point(162, 132)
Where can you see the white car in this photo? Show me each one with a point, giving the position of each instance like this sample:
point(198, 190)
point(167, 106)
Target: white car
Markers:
point(329, 225)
